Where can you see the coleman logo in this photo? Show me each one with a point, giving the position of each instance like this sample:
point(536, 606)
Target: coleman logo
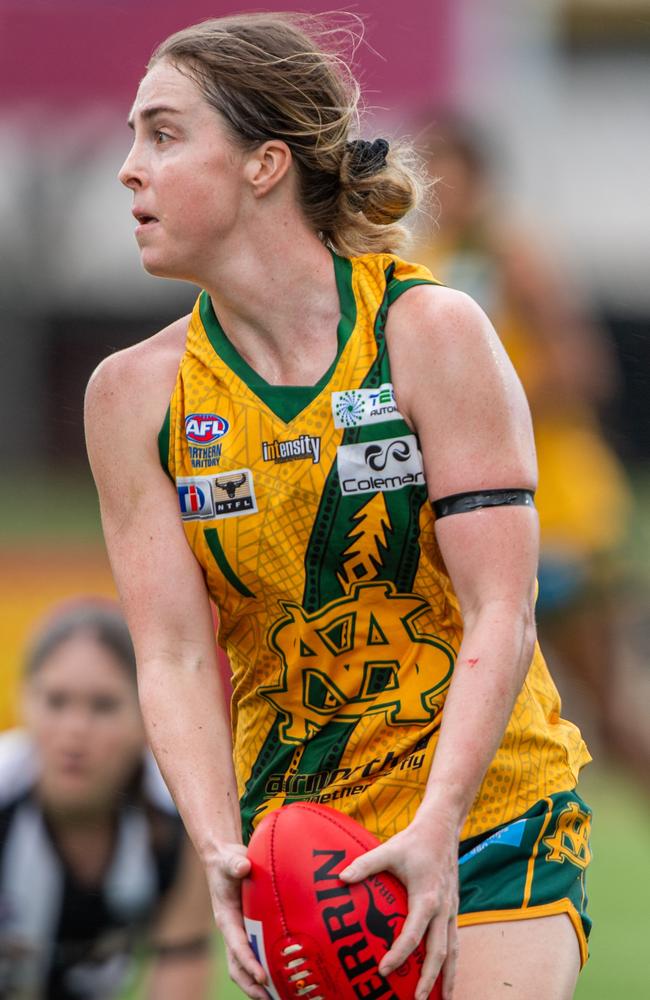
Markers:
point(356, 407)
point(380, 466)
point(377, 455)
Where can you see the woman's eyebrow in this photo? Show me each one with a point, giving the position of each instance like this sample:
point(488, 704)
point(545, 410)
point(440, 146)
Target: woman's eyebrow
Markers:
point(148, 113)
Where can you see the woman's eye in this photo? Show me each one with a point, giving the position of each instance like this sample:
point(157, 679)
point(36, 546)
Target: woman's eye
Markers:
point(56, 701)
point(105, 705)
point(161, 137)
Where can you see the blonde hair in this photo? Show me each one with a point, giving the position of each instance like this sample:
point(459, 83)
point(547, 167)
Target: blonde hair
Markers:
point(280, 76)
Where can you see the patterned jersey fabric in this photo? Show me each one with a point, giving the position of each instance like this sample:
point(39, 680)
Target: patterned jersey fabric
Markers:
point(307, 508)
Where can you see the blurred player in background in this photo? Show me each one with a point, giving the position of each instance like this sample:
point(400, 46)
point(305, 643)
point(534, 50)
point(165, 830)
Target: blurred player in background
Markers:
point(375, 589)
point(94, 863)
point(568, 371)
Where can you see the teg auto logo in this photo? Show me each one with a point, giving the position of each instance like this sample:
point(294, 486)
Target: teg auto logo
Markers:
point(355, 407)
point(204, 428)
point(381, 465)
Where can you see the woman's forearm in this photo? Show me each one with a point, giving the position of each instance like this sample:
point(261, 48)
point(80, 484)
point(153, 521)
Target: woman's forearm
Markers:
point(492, 663)
point(171, 979)
point(187, 721)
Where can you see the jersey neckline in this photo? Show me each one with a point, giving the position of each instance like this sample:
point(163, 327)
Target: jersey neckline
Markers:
point(285, 401)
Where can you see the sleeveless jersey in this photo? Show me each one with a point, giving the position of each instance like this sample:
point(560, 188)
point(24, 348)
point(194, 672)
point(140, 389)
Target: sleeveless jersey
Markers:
point(307, 509)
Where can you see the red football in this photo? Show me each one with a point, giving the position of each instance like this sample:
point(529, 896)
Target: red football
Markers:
point(316, 936)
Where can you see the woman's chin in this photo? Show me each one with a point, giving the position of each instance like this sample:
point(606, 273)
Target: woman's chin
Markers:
point(69, 797)
point(161, 265)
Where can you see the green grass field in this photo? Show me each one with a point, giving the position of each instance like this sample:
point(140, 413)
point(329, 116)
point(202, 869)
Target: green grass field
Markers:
point(619, 889)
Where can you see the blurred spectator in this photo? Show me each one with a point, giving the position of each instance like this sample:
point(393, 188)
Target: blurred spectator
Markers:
point(94, 863)
point(568, 371)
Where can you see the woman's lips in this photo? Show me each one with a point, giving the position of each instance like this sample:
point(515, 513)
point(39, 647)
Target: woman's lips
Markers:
point(144, 219)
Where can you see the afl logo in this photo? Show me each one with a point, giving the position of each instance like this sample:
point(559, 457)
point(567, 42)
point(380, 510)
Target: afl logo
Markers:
point(204, 428)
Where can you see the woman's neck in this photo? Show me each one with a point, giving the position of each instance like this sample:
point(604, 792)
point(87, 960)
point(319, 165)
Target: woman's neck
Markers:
point(84, 839)
point(276, 298)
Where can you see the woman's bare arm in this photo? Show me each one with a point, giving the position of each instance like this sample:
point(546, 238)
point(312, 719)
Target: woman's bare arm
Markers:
point(456, 387)
point(165, 600)
point(182, 940)
point(476, 434)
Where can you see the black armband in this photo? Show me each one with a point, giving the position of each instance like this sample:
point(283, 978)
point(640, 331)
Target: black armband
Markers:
point(192, 948)
point(462, 503)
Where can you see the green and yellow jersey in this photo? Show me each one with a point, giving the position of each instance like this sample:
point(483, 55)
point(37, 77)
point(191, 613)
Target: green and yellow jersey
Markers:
point(307, 509)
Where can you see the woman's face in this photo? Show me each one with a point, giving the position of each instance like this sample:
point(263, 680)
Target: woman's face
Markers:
point(459, 192)
point(186, 175)
point(82, 711)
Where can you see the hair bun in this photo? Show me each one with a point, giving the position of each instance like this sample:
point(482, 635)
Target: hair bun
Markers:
point(366, 157)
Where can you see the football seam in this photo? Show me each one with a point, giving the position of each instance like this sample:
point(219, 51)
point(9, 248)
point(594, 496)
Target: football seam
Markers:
point(340, 826)
point(278, 899)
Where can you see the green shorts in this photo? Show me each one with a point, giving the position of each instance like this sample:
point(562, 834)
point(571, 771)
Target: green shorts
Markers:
point(533, 866)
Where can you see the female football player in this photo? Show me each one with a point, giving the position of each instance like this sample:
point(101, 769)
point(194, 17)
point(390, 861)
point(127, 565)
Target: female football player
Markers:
point(337, 451)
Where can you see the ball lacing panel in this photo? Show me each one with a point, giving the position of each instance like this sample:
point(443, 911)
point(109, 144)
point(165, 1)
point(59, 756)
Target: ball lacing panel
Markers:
point(299, 977)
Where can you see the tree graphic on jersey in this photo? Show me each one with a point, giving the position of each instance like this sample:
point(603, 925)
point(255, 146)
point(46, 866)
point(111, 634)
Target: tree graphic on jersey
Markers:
point(368, 543)
point(368, 652)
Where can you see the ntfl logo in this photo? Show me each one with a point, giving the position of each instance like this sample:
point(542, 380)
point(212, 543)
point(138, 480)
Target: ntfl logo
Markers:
point(204, 428)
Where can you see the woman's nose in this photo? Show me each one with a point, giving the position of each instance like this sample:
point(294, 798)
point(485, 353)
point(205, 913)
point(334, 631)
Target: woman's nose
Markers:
point(131, 173)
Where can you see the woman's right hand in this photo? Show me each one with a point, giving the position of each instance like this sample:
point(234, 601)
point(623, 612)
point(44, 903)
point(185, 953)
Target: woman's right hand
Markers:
point(225, 874)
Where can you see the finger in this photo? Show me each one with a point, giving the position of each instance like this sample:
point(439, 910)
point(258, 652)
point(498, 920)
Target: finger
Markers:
point(451, 961)
point(235, 863)
point(436, 954)
point(238, 866)
point(241, 952)
point(367, 864)
point(409, 938)
point(243, 978)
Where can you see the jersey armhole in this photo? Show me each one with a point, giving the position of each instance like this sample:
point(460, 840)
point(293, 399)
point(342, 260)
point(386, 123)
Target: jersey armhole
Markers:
point(397, 287)
point(163, 443)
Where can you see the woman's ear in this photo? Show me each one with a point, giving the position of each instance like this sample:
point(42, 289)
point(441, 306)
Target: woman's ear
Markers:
point(267, 165)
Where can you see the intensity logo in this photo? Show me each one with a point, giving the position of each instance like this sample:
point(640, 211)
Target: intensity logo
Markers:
point(305, 446)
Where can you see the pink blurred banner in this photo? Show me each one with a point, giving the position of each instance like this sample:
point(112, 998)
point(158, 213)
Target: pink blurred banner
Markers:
point(69, 53)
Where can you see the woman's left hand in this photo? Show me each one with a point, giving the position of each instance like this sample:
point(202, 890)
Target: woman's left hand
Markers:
point(424, 857)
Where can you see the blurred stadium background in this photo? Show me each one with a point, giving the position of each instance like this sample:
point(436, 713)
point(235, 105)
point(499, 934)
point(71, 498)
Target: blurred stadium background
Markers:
point(560, 88)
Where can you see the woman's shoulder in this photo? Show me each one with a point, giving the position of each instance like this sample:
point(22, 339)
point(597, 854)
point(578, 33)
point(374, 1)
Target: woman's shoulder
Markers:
point(448, 361)
point(18, 766)
point(130, 390)
point(436, 318)
point(145, 363)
